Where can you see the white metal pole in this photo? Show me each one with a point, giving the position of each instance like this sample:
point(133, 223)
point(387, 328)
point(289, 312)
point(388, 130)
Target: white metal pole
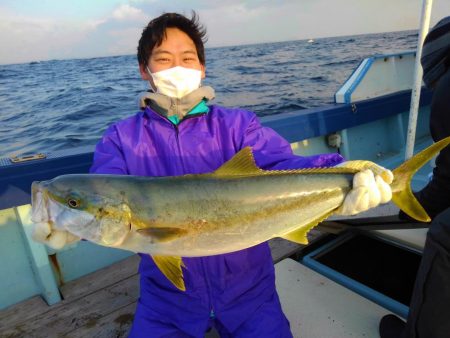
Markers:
point(417, 84)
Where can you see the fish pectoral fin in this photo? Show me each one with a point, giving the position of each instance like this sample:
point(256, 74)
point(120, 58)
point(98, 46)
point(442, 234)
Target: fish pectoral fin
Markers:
point(171, 266)
point(299, 234)
point(162, 234)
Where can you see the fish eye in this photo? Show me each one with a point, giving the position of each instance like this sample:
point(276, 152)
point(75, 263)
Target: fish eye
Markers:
point(73, 202)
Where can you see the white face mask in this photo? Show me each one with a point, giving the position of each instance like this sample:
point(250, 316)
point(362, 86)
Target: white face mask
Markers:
point(177, 81)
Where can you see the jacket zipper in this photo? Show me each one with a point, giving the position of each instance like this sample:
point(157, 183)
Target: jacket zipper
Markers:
point(212, 314)
point(177, 134)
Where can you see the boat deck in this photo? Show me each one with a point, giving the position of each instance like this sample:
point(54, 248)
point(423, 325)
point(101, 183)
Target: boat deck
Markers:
point(100, 304)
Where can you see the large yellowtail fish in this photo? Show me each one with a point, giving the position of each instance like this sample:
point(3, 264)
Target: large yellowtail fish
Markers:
point(236, 207)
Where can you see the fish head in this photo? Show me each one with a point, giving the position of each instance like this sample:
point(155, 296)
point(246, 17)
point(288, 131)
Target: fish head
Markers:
point(76, 203)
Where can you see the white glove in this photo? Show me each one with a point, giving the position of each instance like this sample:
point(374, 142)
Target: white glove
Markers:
point(54, 238)
point(368, 190)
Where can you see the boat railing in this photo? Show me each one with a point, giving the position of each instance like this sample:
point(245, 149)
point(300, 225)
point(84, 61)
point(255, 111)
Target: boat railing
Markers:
point(378, 75)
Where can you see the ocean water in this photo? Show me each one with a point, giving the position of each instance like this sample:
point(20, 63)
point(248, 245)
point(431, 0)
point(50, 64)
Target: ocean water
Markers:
point(59, 104)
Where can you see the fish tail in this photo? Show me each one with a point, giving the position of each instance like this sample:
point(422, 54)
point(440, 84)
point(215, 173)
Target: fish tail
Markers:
point(402, 194)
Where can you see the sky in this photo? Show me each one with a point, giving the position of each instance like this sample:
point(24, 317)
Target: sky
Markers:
point(33, 30)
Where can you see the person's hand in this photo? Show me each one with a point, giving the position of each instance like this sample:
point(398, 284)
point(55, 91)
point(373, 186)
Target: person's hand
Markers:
point(54, 238)
point(369, 189)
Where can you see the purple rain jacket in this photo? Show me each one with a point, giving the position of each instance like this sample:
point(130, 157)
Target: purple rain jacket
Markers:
point(228, 287)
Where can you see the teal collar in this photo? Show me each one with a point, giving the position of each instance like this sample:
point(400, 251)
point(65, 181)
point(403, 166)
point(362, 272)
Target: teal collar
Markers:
point(169, 107)
point(200, 108)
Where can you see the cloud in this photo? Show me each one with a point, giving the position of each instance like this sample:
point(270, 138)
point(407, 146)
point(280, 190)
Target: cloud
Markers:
point(127, 12)
point(29, 38)
point(118, 34)
point(261, 21)
point(60, 33)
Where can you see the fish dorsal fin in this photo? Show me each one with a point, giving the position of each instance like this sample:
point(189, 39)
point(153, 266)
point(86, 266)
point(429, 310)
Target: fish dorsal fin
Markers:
point(171, 266)
point(243, 163)
point(299, 235)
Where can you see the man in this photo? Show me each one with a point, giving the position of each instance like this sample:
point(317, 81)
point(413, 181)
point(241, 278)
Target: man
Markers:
point(429, 312)
point(178, 133)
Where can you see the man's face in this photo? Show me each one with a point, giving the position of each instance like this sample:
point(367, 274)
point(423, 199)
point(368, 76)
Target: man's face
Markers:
point(176, 49)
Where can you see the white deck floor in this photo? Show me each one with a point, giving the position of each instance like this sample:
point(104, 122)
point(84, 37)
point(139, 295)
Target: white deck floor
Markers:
point(320, 308)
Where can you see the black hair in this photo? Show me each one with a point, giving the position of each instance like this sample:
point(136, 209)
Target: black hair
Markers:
point(155, 32)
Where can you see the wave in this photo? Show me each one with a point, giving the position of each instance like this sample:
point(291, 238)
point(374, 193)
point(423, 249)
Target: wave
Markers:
point(341, 62)
point(75, 100)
